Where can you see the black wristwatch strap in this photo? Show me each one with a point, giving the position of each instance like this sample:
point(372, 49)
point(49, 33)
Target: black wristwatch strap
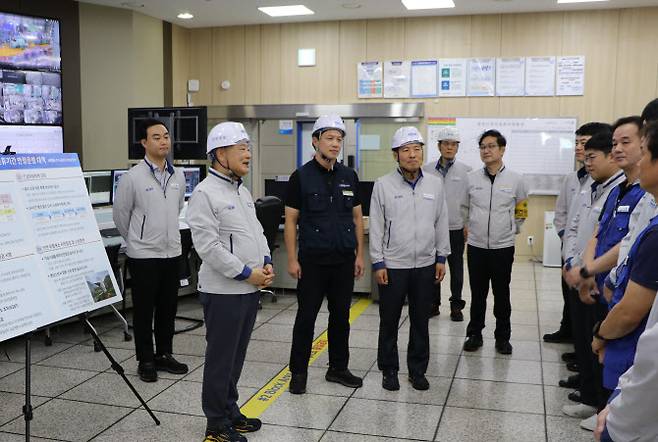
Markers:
point(595, 331)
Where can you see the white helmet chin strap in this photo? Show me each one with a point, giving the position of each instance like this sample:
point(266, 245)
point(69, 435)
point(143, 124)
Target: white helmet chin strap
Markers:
point(227, 167)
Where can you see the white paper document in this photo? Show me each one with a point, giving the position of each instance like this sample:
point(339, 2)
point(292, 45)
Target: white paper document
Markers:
point(540, 76)
point(423, 78)
point(481, 77)
point(371, 78)
point(397, 79)
point(452, 77)
point(571, 75)
point(510, 77)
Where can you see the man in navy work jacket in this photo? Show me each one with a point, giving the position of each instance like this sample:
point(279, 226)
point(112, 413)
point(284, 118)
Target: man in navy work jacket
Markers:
point(146, 207)
point(497, 205)
point(409, 242)
point(454, 175)
point(236, 263)
point(322, 199)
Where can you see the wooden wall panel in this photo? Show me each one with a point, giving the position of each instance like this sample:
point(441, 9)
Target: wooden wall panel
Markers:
point(253, 65)
point(352, 51)
point(228, 63)
point(201, 64)
point(385, 39)
point(180, 56)
point(270, 76)
point(637, 60)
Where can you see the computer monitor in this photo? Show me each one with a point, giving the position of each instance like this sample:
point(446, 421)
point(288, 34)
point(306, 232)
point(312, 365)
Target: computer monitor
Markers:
point(365, 192)
point(99, 186)
point(193, 176)
point(276, 188)
point(116, 176)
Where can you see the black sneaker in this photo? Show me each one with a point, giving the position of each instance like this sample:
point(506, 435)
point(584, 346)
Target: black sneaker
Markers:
point(435, 310)
point(419, 382)
point(573, 366)
point(246, 424)
point(572, 381)
point(166, 362)
point(456, 315)
point(298, 383)
point(574, 396)
point(147, 372)
point(225, 434)
point(390, 381)
point(558, 337)
point(569, 357)
point(343, 377)
point(473, 342)
point(504, 347)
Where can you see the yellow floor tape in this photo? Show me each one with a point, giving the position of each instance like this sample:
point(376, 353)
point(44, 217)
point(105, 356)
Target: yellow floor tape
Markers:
point(267, 395)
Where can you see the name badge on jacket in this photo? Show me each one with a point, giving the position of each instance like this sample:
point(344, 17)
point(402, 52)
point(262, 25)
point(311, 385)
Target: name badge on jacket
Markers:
point(348, 193)
point(175, 186)
point(623, 209)
point(428, 196)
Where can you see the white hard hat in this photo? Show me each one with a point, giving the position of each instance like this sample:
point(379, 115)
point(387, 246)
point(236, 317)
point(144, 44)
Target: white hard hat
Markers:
point(226, 134)
point(449, 133)
point(406, 135)
point(326, 122)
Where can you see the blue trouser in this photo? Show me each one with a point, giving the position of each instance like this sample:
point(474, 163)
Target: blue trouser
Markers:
point(229, 322)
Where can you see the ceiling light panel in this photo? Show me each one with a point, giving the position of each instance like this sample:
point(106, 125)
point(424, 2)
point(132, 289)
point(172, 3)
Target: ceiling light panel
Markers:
point(286, 11)
point(428, 4)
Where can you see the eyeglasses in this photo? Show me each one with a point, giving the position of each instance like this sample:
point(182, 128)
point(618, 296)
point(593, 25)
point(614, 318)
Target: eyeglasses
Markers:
point(491, 146)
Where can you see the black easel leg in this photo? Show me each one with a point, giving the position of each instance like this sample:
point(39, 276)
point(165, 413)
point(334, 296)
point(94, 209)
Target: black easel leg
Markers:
point(115, 365)
point(27, 408)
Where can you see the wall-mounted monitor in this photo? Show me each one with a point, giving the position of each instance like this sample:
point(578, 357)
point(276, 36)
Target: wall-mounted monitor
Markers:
point(99, 186)
point(193, 176)
point(187, 126)
point(365, 193)
point(30, 70)
point(116, 177)
point(32, 139)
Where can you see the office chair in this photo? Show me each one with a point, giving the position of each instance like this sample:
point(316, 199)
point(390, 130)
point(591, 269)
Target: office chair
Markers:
point(185, 273)
point(269, 210)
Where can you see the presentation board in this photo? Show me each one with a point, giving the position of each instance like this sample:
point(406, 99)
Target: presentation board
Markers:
point(53, 264)
point(540, 148)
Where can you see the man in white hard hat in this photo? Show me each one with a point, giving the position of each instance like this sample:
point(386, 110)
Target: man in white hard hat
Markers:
point(409, 243)
point(497, 204)
point(454, 175)
point(146, 206)
point(236, 264)
point(322, 199)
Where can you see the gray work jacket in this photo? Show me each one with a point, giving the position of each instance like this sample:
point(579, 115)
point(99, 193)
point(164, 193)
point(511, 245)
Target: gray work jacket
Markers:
point(570, 188)
point(455, 186)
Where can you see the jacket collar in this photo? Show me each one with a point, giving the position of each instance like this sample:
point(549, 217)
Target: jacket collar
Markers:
point(223, 177)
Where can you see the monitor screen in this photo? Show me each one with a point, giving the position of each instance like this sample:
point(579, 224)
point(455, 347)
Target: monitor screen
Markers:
point(29, 43)
point(99, 186)
point(30, 70)
point(116, 176)
point(276, 188)
point(193, 176)
point(32, 139)
point(365, 192)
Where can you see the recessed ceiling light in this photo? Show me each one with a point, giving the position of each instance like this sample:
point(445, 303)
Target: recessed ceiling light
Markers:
point(580, 1)
point(286, 11)
point(132, 5)
point(428, 4)
point(351, 5)
point(185, 15)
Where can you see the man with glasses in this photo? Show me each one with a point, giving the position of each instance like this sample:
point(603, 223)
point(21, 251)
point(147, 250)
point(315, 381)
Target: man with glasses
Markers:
point(497, 205)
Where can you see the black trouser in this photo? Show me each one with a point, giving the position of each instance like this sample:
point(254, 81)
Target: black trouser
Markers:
point(597, 313)
point(154, 288)
point(566, 322)
point(229, 322)
point(582, 342)
point(337, 282)
point(493, 265)
point(418, 285)
point(456, 264)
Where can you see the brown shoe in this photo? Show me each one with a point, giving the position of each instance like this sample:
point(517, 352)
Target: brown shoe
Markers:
point(435, 310)
point(456, 315)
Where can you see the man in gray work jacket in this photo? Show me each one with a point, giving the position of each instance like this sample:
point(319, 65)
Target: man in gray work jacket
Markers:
point(454, 175)
point(148, 201)
point(236, 263)
point(405, 209)
point(497, 206)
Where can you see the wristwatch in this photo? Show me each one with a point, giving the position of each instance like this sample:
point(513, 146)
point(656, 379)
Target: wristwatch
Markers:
point(584, 273)
point(595, 332)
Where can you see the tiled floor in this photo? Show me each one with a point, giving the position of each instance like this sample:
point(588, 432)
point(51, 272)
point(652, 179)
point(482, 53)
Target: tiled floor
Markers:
point(481, 396)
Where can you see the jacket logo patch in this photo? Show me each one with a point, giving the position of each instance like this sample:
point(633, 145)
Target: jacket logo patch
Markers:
point(343, 185)
point(398, 196)
point(148, 189)
point(506, 189)
point(230, 207)
point(175, 186)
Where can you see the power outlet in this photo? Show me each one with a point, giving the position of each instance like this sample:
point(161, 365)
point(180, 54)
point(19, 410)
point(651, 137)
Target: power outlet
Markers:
point(531, 240)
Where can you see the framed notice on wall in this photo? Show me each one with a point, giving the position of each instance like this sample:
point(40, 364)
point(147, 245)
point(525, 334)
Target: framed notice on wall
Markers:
point(52, 260)
point(371, 78)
